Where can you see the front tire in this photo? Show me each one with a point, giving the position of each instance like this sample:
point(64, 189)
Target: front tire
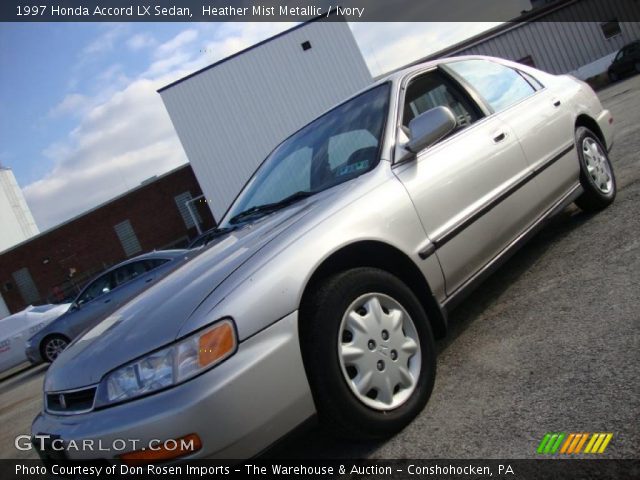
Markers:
point(596, 172)
point(613, 77)
point(52, 346)
point(369, 353)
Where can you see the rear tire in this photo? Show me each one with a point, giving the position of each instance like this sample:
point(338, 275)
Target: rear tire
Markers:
point(596, 172)
point(369, 353)
point(52, 346)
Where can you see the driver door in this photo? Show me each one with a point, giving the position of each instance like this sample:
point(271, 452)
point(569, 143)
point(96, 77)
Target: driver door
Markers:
point(93, 302)
point(461, 186)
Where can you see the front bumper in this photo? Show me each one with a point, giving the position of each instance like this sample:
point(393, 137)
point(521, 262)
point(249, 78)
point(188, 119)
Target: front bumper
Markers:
point(237, 409)
point(33, 353)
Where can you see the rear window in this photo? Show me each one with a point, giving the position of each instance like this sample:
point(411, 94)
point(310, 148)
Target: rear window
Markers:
point(501, 86)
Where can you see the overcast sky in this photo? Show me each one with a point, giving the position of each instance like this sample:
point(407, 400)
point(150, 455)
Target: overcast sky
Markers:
point(80, 118)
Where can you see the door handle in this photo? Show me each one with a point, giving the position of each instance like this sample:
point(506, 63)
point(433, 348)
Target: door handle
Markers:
point(556, 103)
point(107, 300)
point(499, 137)
point(149, 280)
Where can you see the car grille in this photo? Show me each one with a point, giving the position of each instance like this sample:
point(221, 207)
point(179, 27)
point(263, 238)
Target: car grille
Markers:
point(71, 401)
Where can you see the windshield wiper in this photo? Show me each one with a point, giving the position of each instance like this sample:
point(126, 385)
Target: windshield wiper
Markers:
point(270, 207)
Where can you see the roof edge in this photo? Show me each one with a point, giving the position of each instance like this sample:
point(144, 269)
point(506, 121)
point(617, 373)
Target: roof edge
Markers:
point(322, 17)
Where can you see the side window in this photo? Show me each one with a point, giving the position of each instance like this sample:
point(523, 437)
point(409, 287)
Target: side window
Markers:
point(128, 272)
point(501, 86)
point(98, 287)
point(433, 90)
point(532, 81)
point(152, 263)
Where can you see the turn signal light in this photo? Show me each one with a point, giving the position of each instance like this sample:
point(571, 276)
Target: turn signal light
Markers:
point(216, 344)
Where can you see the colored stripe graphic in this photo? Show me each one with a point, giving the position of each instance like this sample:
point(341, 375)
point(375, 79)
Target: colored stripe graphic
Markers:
point(567, 443)
point(572, 443)
point(543, 443)
point(550, 443)
point(579, 446)
point(598, 442)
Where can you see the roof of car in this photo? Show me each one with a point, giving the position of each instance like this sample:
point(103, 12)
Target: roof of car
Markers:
point(396, 75)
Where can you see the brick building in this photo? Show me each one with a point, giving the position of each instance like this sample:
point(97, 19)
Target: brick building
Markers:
point(160, 213)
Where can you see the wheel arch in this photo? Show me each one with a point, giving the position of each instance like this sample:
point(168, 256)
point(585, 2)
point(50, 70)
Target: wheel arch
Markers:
point(584, 120)
point(377, 254)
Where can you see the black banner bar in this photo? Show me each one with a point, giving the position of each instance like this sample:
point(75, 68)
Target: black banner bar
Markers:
point(303, 10)
point(584, 469)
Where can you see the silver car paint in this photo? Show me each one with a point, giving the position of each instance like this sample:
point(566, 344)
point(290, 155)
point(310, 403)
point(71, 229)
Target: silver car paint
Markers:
point(257, 275)
point(240, 419)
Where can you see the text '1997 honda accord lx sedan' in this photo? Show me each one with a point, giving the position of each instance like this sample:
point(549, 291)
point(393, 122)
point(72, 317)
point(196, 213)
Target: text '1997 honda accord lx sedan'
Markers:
point(333, 270)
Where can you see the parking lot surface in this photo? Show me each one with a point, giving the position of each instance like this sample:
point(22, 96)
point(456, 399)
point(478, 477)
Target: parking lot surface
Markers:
point(549, 343)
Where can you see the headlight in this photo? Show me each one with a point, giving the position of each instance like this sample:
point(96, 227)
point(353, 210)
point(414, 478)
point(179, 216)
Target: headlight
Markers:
point(170, 366)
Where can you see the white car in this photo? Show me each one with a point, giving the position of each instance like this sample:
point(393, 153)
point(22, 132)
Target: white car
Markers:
point(17, 328)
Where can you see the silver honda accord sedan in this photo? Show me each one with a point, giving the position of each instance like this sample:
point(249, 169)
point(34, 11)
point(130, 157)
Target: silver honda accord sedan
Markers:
point(333, 271)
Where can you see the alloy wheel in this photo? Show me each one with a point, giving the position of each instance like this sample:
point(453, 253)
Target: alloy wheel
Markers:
point(54, 347)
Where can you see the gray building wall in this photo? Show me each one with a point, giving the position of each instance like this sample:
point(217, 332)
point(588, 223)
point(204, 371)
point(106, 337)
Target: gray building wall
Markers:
point(230, 116)
point(556, 42)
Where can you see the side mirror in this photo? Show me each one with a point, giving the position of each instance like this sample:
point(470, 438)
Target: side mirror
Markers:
point(74, 306)
point(429, 127)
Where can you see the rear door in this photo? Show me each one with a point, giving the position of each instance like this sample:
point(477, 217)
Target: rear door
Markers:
point(538, 115)
point(467, 189)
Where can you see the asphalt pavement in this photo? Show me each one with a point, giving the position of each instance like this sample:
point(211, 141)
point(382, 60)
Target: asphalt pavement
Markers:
point(549, 343)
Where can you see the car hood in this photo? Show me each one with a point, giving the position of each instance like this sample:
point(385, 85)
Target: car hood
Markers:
point(154, 318)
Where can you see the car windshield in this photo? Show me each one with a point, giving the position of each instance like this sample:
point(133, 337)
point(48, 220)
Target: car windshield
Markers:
point(334, 148)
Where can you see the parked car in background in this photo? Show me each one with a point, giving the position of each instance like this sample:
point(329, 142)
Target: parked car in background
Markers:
point(337, 265)
point(103, 295)
point(17, 328)
point(626, 62)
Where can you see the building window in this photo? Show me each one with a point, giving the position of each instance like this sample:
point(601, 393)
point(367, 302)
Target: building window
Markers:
point(610, 29)
point(306, 45)
point(528, 61)
point(128, 238)
point(181, 201)
point(26, 286)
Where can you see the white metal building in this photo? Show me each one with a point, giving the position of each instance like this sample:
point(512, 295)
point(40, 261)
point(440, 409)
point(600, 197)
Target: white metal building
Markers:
point(552, 37)
point(16, 222)
point(230, 115)
point(15, 217)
